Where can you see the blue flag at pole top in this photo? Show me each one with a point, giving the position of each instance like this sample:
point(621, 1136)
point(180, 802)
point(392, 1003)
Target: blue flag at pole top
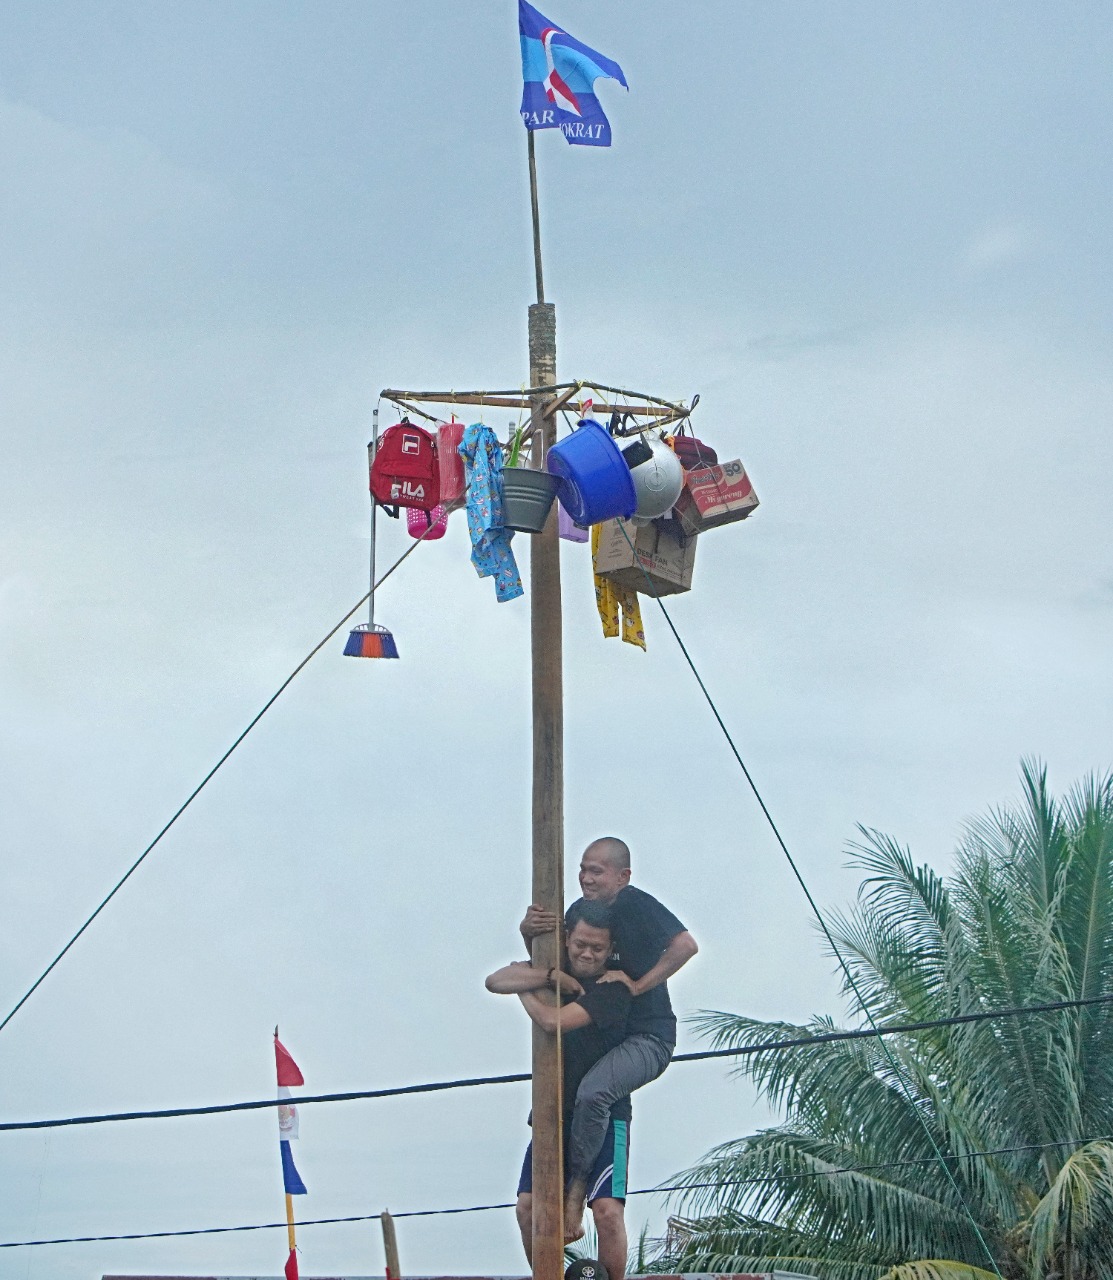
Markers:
point(560, 75)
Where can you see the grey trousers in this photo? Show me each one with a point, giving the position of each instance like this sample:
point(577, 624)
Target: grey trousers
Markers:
point(629, 1065)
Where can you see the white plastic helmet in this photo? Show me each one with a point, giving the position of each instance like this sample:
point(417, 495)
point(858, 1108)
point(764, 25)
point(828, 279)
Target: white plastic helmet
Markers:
point(657, 482)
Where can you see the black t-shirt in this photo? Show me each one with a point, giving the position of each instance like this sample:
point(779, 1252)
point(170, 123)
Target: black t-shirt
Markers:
point(609, 1004)
point(641, 928)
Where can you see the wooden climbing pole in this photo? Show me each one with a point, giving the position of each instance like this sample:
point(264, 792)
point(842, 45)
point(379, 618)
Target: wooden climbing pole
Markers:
point(548, 781)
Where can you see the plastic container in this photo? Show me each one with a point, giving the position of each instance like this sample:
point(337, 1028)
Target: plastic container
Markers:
point(527, 498)
point(451, 465)
point(568, 529)
point(427, 525)
point(658, 482)
point(595, 481)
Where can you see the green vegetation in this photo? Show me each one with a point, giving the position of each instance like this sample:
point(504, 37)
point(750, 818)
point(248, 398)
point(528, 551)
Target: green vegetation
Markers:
point(1026, 918)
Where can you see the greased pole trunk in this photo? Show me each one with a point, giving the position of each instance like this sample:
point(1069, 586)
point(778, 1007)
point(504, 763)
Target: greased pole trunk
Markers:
point(548, 783)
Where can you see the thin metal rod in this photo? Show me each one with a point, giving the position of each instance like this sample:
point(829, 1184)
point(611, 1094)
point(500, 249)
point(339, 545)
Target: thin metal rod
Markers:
point(536, 217)
point(374, 511)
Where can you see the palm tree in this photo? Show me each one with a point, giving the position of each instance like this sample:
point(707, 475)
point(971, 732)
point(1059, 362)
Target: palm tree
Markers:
point(852, 1186)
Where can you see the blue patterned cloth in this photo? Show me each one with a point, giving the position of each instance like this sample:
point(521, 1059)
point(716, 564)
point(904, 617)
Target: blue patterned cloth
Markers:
point(490, 542)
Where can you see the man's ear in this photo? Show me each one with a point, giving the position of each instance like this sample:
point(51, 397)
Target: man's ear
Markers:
point(625, 873)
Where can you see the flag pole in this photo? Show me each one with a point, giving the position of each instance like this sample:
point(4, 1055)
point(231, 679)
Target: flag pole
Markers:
point(548, 778)
point(539, 274)
point(288, 1075)
point(290, 1234)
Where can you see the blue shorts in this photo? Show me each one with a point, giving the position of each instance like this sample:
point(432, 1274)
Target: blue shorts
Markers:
point(608, 1175)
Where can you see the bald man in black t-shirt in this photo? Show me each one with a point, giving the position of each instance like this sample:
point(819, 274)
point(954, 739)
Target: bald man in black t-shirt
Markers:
point(650, 945)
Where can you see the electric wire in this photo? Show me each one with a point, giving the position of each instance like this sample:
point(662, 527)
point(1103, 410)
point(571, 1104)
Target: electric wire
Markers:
point(814, 905)
point(509, 1204)
point(439, 1086)
point(201, 786)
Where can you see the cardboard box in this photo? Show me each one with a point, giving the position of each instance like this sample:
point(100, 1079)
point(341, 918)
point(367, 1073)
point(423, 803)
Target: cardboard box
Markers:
point(658, 564)
point(715, 495)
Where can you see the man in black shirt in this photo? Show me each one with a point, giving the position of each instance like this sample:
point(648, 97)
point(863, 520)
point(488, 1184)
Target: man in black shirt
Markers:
point(590, 1027)
point(650, 945)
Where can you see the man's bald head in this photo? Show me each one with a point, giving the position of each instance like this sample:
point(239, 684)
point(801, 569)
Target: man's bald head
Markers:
point(605, 869)
point(614, 850)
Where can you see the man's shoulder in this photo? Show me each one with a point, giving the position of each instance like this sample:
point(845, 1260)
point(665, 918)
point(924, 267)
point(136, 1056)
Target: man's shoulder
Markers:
point(612, 993)
point(639, 913)
point(631, 898)
point(607, 1003)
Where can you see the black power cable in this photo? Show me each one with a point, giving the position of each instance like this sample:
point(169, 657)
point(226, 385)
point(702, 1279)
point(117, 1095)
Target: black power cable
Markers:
point(484, 1208)
point(439, 1086)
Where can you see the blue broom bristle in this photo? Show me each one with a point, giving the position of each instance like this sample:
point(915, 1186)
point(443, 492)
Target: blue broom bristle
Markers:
point(365, 642)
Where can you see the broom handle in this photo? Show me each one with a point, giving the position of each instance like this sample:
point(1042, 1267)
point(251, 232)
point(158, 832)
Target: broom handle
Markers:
point(374, 446)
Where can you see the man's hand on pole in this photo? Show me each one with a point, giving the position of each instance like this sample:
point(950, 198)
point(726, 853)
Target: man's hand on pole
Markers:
point(537, 921)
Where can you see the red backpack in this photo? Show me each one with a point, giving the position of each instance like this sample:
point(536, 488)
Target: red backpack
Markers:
point(404, 470)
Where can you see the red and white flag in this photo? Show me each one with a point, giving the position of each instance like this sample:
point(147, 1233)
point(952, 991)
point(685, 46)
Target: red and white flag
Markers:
point(289, 1077)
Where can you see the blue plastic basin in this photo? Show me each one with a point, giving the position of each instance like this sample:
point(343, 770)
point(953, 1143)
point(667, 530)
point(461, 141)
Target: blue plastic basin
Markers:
point(595, 482)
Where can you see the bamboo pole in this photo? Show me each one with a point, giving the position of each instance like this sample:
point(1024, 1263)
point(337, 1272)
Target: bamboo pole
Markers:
point(548, 784)
point(290, 1234)
point(390, 1248)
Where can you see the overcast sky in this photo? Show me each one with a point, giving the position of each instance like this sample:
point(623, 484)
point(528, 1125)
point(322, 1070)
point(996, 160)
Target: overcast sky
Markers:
point(874, 237)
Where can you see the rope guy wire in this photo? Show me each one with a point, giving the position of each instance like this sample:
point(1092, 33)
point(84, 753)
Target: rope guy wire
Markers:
point(814, 905)
point(202, 784)
point(440, 1086)
point(485, 1208)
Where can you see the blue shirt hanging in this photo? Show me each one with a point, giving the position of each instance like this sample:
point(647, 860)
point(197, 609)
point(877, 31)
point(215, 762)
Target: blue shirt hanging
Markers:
point(490, 542)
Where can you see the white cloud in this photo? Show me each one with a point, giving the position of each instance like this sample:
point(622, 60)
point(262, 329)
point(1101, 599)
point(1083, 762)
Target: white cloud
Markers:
point(1001, 243)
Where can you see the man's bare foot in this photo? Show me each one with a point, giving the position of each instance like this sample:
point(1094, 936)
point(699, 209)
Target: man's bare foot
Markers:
point(573, 1231)
point(575, 1197)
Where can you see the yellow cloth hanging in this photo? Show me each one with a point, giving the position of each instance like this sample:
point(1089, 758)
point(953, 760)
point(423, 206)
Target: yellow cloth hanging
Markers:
point(611, 599)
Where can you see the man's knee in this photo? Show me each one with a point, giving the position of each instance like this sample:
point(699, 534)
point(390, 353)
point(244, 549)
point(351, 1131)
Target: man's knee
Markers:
point(609, 1214)
point(593, 1096)
point(524, 1210)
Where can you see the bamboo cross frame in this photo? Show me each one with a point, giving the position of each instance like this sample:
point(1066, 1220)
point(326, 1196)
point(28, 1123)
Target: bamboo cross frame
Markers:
point(660, 413)
point(637, 404)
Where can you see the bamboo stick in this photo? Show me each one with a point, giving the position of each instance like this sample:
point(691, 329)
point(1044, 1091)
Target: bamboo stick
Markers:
point(390, 1248)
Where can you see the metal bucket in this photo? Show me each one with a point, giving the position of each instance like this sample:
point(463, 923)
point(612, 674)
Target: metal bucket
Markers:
point(527, 497)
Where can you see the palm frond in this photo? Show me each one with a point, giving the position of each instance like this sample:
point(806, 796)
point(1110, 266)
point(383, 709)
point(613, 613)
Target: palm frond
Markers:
point(1076, 1215)
point(938, 1269)
point(737, 1243)
point(879, 1167)
point(801, 1181)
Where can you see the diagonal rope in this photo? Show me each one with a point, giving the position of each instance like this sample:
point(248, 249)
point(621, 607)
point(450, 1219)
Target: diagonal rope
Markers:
point(201, 786)
point(897, 1072)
